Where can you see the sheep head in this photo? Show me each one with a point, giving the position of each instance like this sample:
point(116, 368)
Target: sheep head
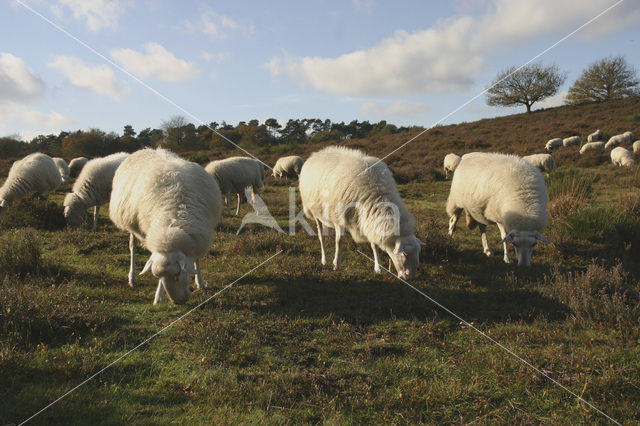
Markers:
point(74, 210)
point(174, 271)
point(405, 256)
point(524, 242)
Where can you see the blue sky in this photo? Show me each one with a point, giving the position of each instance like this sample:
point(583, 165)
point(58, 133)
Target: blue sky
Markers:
point(408, 62)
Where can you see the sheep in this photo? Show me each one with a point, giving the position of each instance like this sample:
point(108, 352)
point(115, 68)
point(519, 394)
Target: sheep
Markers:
point(592, 146)
point(92, 188)
point(34, 173)
point(503, 189)
point(621, 157)
point(544, 162)
point(571, 141)
point(619, 139)
point(636, 147)
point(288, 166)
point(450, 163)
point(63, 168)
point(76, 165)
point(347, 190)
point(234, 174)
point(173, 207)
point(553, 144)
point(595, 136)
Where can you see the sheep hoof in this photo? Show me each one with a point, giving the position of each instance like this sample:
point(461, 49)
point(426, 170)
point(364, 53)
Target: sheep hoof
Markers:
point(377, 270)
point(507, 260)
point(489, 253)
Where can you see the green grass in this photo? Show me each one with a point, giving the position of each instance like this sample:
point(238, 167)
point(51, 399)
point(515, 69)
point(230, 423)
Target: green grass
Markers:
point(295, 342)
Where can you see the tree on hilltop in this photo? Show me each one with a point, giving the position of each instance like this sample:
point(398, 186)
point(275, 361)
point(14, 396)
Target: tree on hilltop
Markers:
point(606, 79)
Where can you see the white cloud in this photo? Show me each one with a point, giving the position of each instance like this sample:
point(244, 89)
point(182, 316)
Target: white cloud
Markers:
point(12, 113)
point(157, 62)
point(363, 5)
point(552, 101)
point(395, 108)
point(97, 14)
point(99, 79)
point(215, 57)
point(218, 26)
point(17, 81)
point(449, 56)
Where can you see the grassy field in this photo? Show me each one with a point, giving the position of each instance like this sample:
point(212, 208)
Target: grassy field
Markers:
point(295, 342)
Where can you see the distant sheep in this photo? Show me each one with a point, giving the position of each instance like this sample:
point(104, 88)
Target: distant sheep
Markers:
point(173, 206)
point(346, 190)
point(595, 136)
point(76, 165)
point(621, 157)
point(63, 168)
point(636, 147)
point(505, 190)
point(234, 174)
point(571, 141)
point(592, 146)
point(617, 140)
point(553, 144)
point(34, 173)
point(450, 163)
point(289, 166)
point(91, 189)
point(544, 162)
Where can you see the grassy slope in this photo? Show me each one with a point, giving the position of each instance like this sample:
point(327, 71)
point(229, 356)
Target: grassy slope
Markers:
point(295, 341)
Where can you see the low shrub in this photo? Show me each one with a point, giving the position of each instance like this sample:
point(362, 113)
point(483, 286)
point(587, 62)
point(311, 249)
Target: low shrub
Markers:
point(33, 212)
point(593, 223)
point(21, 253)
point(568, 190)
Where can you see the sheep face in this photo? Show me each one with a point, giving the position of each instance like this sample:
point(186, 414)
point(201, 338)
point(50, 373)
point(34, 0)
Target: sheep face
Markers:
point(174, 271)
point(524, 242)
point(74, 211)
point(405, 256)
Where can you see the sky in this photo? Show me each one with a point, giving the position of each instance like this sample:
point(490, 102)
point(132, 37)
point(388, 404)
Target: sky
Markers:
point(81, 64)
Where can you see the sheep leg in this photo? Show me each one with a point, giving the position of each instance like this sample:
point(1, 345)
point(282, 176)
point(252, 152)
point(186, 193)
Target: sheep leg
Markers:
point(159, 294)
point(200, 282)
point(96, 212)
point(323, 259)
point(132, 266)
point(227, 202)
point(238, 208)
point(337, 261)
point(376, 260)
point(503, 234)
point(453, 220)
point(483, 236)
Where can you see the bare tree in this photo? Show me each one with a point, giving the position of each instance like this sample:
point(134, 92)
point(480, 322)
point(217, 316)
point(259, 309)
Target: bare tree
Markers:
point(608, 78)
point(525, 86)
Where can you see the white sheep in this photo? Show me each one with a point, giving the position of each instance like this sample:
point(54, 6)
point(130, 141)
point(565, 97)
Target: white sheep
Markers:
point(595, 136)
point(636, 147)
point(553, 144)
point(346, 190)
point(450, 163)
point(592, 146)
point(544, 162)
point(234, 174)
point(617, 140)
point(172, 206)
point(76, 165)
point(502, 189)
point(63, 168)
point(91, 189)
point(621, 157)
point(571, 141)
point(34, 173)
point(289, 166)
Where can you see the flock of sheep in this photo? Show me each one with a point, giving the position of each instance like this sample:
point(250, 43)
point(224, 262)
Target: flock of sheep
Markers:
point(620, 156)
point(173, 206)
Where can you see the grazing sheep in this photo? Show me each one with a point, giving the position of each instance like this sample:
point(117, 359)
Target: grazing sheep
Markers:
point(636, 147)
point(544, 162)
point(234, 174)
point(289, 166)
point(91, 189)
point(502, 189)
point(621, 157)
point(450, 163)
point(63, 168)
point(76, 165)
point(553, 144)
point(571, 141)
point(617, 140)
point(171, 205)
point(595, 136)
point(592, 146)
point(346, 190)
point(34, 173)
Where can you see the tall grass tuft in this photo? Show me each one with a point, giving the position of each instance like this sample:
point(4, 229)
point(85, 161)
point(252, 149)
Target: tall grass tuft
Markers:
point(33, 212)
point(20, 253)
point(568, 190)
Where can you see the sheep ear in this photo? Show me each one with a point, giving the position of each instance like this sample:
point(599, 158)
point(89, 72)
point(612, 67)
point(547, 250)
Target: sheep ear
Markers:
point(420, 243)
point(3, 203)
point(399, 248)
point(507, 239)
point(541, 237)
point(186, 266)
point(147, 266)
